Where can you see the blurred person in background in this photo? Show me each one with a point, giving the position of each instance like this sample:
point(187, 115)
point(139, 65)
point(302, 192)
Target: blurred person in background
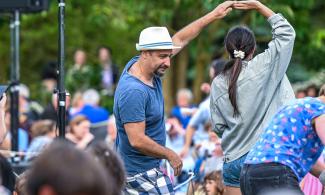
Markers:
point(29, 111)
point(49, 76)
point(23, 138)
point(109, 70)
point(312, 90)
point(78, 76)
point(213, 183)
point(76, 103)
point(175, 141)
point(301, 93)
point(51, 110)
point(209, 155)
point(184, 109)
point(195, 131)
point(212, 152)
point(112, 163)
point(79, 132)
point(43, 133)
point(175, 134)
point(97, 115)
point(111, 132)
point(91, 108)
point(64, 170)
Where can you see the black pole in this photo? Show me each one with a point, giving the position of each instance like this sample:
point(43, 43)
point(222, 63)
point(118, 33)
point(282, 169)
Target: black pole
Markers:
point(61, 90)
point(14, 77)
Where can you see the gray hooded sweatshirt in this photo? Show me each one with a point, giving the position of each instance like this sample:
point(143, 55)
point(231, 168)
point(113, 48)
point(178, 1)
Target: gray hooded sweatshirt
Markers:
point(262, 88)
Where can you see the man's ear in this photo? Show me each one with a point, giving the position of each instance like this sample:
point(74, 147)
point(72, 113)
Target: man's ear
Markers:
point(144, 54)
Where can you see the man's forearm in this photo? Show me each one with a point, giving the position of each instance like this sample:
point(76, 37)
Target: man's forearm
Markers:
point(150, 148)
point(189, 32)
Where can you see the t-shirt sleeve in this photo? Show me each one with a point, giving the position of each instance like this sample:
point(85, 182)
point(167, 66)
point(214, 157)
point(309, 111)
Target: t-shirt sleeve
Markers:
point(132, 106)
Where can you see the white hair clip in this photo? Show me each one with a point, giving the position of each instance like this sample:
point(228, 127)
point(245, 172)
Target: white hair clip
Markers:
point(239, 54)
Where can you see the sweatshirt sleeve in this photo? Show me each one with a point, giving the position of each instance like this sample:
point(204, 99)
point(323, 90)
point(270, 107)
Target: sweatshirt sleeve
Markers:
point(276, 57)
point(218, 122)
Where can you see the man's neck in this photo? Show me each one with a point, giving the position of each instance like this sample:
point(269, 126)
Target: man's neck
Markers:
point(140, 71)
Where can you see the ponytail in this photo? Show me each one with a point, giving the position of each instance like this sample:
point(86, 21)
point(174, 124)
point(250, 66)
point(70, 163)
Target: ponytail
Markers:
point(234, 71)
point(240, 44)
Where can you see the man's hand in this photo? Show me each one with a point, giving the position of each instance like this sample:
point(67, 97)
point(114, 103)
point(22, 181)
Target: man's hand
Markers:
point(176, 162)
point(223, 9)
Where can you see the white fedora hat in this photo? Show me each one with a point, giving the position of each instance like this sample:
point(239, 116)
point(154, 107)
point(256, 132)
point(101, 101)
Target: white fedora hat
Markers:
point(155, 38)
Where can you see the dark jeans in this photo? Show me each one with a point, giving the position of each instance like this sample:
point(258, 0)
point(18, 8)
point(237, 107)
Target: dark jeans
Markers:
point(268, 179)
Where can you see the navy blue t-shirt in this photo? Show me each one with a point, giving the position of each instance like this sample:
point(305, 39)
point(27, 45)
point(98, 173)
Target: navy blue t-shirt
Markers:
point(135, 101)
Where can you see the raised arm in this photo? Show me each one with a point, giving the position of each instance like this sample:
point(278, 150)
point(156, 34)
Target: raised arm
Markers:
point(189, 32)
point(277, 56)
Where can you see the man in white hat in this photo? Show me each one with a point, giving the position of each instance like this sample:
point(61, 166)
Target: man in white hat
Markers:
point(139, 106)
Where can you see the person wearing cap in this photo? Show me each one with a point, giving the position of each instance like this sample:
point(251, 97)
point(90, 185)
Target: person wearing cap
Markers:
point(139, 106)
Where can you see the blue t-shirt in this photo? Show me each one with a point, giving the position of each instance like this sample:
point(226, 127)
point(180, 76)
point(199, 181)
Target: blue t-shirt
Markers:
point(290, 138)
point(135, 101)
point(184, 119)
point(94, 114)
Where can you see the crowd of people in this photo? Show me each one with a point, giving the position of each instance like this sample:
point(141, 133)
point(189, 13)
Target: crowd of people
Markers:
point(251, 135)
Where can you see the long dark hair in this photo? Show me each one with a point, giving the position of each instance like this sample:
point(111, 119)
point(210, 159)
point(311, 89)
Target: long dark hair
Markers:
point(242, 39)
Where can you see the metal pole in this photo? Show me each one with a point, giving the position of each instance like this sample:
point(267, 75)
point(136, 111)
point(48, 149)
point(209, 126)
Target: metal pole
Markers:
point(61, 90)
point(14, 77)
